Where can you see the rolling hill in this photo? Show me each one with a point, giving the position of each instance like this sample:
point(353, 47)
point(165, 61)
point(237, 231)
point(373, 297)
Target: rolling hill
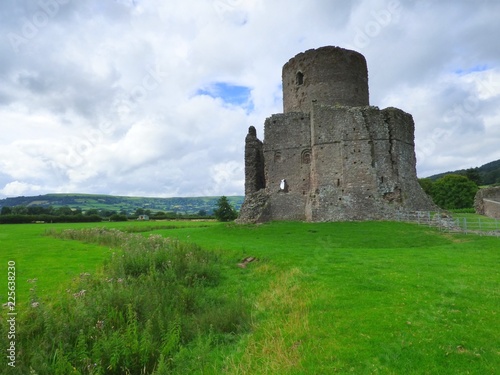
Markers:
point(186, 205)
point(489, 173)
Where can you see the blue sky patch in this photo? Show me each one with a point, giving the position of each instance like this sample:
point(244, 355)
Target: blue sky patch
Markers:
point(476, 68)
point(231, 94)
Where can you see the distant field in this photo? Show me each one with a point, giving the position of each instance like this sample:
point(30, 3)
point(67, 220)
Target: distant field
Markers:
point(183, 205)
point(361, 298)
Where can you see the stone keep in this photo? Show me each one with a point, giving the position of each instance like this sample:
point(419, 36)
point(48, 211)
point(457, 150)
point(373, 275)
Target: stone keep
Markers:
point(331, 156)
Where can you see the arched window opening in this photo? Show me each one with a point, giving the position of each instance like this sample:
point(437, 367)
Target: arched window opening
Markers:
point(284, 186)
point(299, 78)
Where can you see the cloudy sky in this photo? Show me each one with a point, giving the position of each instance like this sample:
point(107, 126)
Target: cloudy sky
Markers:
point(154, 98)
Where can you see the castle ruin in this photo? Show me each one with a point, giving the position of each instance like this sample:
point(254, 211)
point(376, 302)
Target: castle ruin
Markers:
point(331, 156)
point(487, 202)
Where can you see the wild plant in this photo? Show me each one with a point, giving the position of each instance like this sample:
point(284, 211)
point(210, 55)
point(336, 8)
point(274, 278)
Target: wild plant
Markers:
point(138, 315)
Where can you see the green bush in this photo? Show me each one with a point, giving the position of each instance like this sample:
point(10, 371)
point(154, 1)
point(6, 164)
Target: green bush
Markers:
point(454, 191)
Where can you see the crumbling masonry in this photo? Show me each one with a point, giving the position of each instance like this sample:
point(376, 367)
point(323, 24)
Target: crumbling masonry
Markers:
point(331, 156)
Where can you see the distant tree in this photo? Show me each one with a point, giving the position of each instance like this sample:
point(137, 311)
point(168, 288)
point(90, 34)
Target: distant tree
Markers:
point(64, 210)
point(117, 217)
point(491, 177)
point(107, 213)
point(159, 215)
point(139, 211)
point(473, 175)
point(34, 210)
point(454, 191)
point(91, 212)
point(426, 184)
point(20, 210)
point(6, 211)
point(202, 213)
point(224, 210)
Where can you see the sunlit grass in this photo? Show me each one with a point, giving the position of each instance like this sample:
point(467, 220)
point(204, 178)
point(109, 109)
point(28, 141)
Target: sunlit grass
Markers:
point(370, 297)
point(382, 297)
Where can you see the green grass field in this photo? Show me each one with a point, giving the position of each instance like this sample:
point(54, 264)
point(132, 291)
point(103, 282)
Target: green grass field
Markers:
point(325, 298)
point(55, 262)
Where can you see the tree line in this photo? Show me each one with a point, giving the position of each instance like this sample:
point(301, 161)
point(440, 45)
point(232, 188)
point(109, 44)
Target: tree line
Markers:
point(24, 214)
point(224, 211)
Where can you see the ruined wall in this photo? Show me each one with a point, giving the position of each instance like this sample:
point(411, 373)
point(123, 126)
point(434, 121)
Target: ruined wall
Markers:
point(287, 151)
point(341, 159)
point(492, 208)
point(329, 75)
point(487, 202)
point(345, 178)
point(254, 163)
point(363, 164)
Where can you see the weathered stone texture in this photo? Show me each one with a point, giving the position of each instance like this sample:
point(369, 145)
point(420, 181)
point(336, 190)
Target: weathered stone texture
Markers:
point(487, 202)
point(333, 157)
point(254, 163)
point(311, 75)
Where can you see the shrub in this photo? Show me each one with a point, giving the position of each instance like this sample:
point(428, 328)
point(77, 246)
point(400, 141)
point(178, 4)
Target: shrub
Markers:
point(454, 191)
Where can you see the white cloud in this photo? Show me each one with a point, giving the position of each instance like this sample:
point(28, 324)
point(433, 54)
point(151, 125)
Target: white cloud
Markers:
point(107, 96)
point(16, 188)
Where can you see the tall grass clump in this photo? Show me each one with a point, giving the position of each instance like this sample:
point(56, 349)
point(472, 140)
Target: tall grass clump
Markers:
point(151, 310)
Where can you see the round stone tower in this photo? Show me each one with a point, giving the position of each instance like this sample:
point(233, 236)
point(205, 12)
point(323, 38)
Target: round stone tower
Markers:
point(329, 75)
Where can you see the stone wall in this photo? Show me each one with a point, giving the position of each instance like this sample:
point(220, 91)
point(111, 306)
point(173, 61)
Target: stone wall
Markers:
point(286, 149)
point(254, 163)
point(363, 164)
point(487, 202)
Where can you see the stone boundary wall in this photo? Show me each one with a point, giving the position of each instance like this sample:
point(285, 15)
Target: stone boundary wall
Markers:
point(487, 202)
point(491, 208)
